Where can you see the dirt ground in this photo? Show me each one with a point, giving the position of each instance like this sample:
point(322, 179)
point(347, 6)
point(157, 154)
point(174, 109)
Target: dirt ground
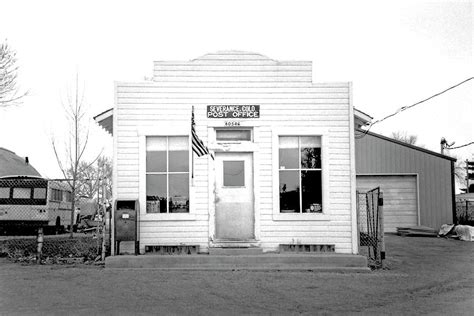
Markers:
point(425, 276)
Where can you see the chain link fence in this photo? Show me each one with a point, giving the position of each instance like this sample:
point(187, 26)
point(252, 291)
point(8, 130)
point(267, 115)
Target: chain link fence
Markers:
point(370, 226)
point(53, 249)
point(42, 220)
point(465, 212)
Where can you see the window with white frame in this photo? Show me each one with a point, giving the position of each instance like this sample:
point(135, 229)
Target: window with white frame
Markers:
point(167, 174)
point(300, 174)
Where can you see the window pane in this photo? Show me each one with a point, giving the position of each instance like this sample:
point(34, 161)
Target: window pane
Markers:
point(156, 193)
point(4, 193)
point(179, 193)
point(156, 154)
point(289, 192)
point(39, 193)
point(56, 195)
point(233, 135)
point(21, 193)
point(234, 174)
point(288, 152)
point(178, 154)
point(312, 191)
point(310, 152)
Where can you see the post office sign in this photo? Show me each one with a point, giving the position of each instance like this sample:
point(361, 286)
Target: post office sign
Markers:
point(233, 111)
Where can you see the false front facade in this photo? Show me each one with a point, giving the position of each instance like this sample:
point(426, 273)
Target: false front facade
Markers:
point(280, 168)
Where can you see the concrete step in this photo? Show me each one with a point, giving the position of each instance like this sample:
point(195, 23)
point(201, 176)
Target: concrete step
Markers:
point(303, 262)
point(234, 251)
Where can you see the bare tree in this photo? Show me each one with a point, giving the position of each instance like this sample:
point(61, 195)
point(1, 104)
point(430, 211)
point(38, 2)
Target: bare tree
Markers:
point(9, 91)
point(75, 145)
point(104, 170)
point(460, 171)
point(403, 137)
point(94, 181)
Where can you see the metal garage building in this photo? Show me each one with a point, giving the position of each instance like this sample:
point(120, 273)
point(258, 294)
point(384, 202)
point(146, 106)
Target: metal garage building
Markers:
point(418, 184)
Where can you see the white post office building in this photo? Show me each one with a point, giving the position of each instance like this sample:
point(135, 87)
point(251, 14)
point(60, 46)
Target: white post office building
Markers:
point(282, 168)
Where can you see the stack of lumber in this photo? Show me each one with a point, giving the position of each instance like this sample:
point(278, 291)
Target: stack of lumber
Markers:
point(416, 231)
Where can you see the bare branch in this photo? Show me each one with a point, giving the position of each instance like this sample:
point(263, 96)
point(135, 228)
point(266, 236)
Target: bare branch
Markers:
point(75, 169)
point(9, 92)
point(84, 146)
point(63, 170)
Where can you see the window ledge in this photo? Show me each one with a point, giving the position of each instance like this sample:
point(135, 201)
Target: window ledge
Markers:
point(150, 217)
point(301, 217)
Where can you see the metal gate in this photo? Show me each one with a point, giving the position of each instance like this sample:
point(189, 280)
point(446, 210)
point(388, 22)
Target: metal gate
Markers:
point(370, 226)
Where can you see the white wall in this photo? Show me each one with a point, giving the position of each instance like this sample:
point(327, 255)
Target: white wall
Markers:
point(288, 101)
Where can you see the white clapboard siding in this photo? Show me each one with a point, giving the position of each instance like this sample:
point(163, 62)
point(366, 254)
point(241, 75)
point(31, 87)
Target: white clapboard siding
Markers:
point(287, 98)
point(232, 67)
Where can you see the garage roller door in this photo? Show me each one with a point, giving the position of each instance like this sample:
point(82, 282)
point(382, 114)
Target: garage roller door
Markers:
point(400, 199)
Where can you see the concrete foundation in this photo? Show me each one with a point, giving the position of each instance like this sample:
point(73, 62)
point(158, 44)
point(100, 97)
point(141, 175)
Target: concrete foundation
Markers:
point(316, 262)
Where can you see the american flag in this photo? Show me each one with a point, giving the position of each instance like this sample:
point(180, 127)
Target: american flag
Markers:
point(198, 146)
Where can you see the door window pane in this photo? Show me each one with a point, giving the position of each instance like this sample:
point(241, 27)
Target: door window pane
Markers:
point(178, 154)
point(289, 191)
point(233, 135)
point(179, 193)
point(312, 191)
point(288, 152)
point(310, 152)
point(234, 173)
point(156, 193)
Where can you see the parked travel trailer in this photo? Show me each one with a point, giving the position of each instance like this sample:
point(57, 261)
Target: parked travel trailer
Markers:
point(29, 202)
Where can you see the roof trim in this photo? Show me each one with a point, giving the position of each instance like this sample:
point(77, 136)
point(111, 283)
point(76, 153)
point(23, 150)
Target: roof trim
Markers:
point(426, 151)
point(20, 177)
point(366, 118)
point(232, 53)
point(102, 116)
point(11, 152)
point(105, 120)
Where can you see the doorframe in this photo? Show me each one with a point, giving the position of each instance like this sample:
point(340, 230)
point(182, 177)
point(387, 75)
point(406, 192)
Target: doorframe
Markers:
point(244, 147)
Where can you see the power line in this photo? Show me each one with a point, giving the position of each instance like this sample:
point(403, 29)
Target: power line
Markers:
point(468, 144)
point(403, 108)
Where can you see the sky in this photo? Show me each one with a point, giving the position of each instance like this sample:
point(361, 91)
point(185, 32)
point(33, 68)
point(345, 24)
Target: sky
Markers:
point(395, 53)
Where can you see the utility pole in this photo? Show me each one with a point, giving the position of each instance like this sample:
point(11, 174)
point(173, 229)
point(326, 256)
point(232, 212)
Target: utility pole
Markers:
point(445, 145)
point(469, 176)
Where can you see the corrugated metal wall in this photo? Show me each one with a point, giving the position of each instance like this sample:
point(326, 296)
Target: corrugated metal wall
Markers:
point(377, 155)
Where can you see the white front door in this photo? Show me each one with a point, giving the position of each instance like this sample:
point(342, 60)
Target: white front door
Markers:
point(234, 197)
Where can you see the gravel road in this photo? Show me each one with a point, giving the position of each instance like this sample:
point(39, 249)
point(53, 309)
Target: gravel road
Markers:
point(424, 276)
